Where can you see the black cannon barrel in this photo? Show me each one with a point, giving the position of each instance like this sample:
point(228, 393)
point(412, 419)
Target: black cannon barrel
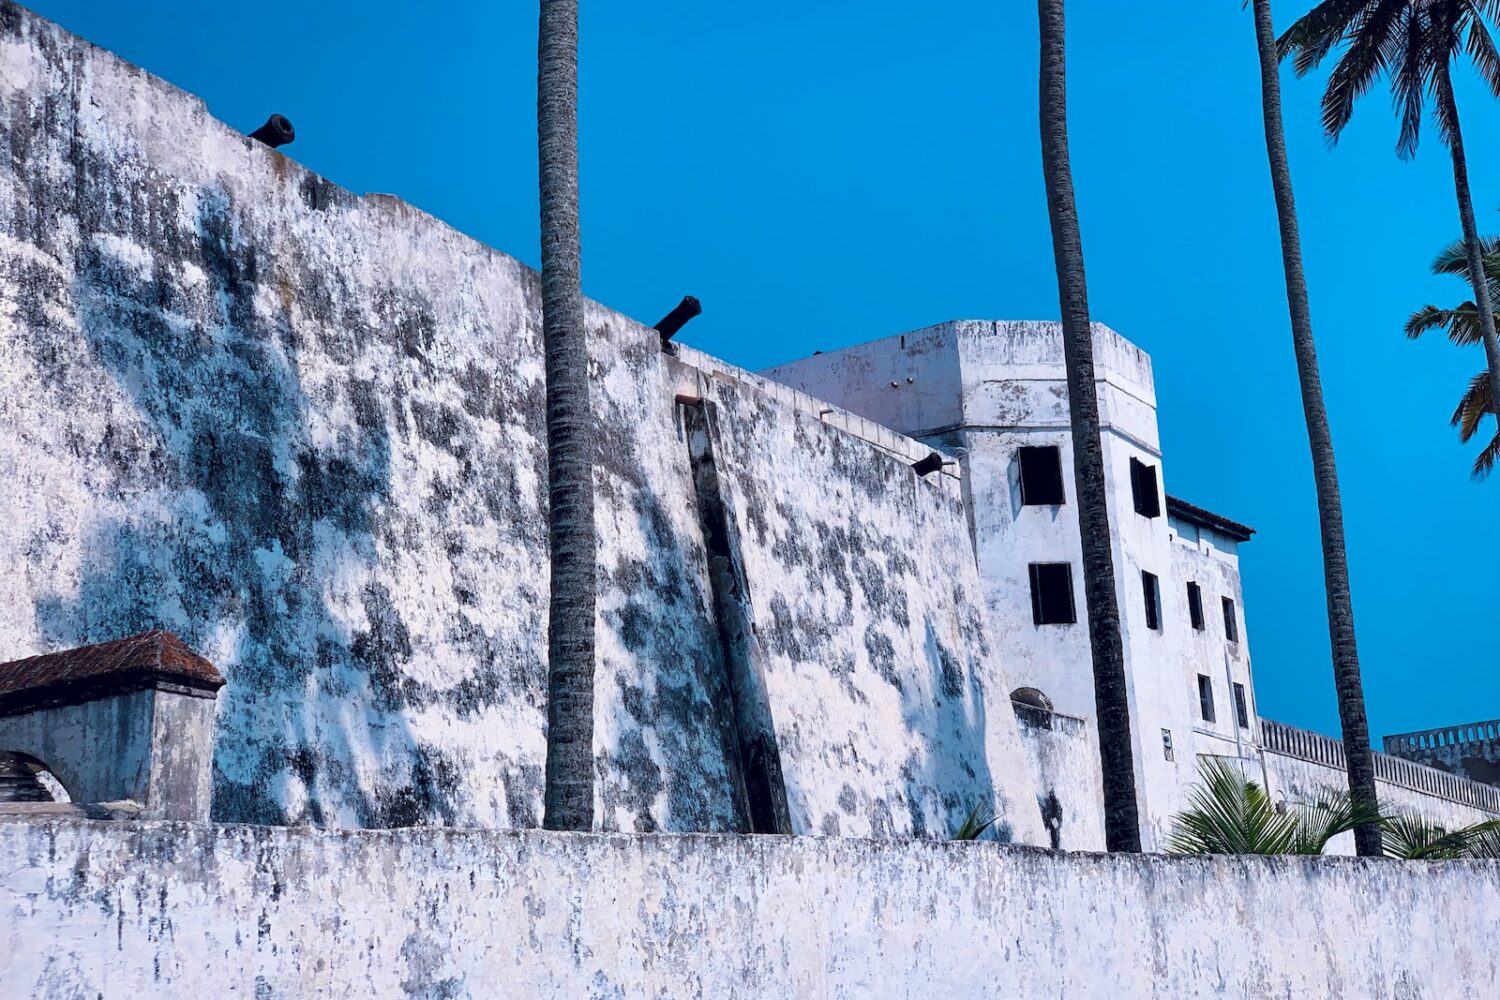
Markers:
point(678, 317)
point(277, 131)
point(930, 464)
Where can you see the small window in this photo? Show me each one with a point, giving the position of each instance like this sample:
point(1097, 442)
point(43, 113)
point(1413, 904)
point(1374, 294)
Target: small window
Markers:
point(1052, 594)
point(1041, 476)
point(1205, 698)
point(1231, 623)
point(1152, 588)
point(1143, 485)
point(1241, 710)
point(1195, 605)
point(1166, 743)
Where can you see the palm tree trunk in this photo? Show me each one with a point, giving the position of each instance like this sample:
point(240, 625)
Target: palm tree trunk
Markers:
point(1448, 107)
point(1122, 831)
point(1346, 676)
point(569, 793)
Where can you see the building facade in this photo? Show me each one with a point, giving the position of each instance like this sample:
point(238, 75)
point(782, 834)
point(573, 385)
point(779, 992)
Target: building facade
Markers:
point(994, 396)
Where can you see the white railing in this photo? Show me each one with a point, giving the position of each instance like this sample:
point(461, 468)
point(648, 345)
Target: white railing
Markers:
point(1290, 741)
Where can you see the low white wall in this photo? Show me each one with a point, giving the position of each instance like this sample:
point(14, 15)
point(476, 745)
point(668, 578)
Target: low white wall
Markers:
point(165, 910)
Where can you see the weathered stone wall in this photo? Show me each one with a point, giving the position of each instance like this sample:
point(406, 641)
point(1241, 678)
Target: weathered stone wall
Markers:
point(133, 910)
point(1064, 756)
point(303, 429)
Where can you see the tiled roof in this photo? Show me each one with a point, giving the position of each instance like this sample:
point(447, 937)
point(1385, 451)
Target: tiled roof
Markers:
point(1208, 519)
point(104, 668)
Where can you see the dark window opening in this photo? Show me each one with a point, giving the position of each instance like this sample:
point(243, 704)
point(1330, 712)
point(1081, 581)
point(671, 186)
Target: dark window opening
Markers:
point(1205, 698)
point(1152, 587)
point(1195, 605)
point(1052, 594)
point(1241, 710)
point(1166, 743)
point(1143, 485)
point(1231, 624)
point(1041, 476)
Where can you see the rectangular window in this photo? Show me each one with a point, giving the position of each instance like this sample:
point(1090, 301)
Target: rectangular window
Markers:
point(1041, 476)
point(1166, 743)
point(1143, 485)
point(1205, 698)
point(1052, 594)
point(1241, 710)
point(1195, 606)
point(1152, 587)
point(1231, 623)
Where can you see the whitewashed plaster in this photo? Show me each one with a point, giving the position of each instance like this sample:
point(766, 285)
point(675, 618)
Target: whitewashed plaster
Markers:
point(117, 910)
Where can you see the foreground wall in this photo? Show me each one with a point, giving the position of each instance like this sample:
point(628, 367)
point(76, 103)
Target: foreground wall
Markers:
point(303, 430)
point(127, 910)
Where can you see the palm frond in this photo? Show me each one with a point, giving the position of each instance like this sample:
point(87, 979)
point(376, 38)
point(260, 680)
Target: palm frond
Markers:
point(1228, 814)
point(1484, 464)
point(1485, 843)
point(1409, 83)
point(1460, 322)
point(1413, 838)
point(975, 824)
point(1429, 317)
point(1482, 51)
point(1320, 821)
point(1454, 258)
point(1472, 407)
point(1316, 33)
point(1367, 57)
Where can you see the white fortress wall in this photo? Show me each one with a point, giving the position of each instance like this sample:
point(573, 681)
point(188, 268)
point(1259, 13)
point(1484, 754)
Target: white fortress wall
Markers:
point(303, 429)
point(121, 911)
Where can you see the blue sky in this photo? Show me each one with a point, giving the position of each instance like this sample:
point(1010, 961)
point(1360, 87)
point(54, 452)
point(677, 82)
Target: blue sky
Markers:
point(821, 174)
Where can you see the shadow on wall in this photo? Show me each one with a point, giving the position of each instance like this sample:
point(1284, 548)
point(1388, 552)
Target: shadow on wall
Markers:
point(664, 749)
point(950, 709)
point(230, 518)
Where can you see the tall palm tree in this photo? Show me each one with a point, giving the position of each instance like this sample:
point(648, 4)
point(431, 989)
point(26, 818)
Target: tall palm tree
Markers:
point(1346, 677)
point(1462, 324)
point(1122, 830)
point(569, 794)
point(1415, 43)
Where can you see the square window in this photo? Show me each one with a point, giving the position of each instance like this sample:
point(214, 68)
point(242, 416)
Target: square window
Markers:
point(1195, 605)
point(1241, 709)
point(1231, 623)
point(1205, 698)
point(1041, 476)
point(1052, 594)
point(1152, 588)
point(1143, 485)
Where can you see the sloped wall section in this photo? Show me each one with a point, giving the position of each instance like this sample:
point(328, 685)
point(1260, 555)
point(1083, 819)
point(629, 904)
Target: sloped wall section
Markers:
point(131, 910)
point(303, 429)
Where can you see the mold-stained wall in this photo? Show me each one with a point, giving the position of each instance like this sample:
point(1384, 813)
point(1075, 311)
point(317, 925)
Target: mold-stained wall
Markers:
point(1013, 393)
point(1063, 752)
point(289, 913)
point(1011, 390)
point(304, 430)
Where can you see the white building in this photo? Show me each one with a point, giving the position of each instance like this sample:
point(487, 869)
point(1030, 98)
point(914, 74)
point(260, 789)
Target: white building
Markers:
point(994, 396)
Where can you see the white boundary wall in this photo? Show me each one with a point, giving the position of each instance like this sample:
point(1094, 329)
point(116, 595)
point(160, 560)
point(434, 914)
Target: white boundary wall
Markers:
point(169, 910)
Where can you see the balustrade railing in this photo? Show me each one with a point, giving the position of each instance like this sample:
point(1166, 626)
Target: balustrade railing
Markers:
point(1446, 736)
point(1277, 737)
